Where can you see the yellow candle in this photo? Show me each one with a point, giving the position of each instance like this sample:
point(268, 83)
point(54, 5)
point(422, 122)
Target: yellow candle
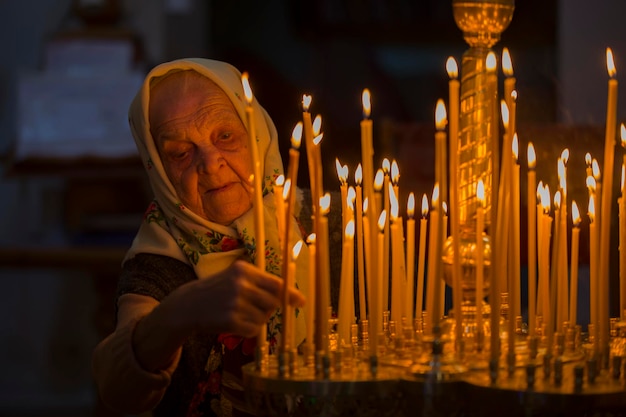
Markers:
point(510, 95)
point(573, 300)
point(494, 144)
point(605, 220)
point(395, 178)
point(544, 253)
point(369, 255)
point(280, 205)
point(367, 150)
point(360, 242)
point(441, 121)
point(440, 148)
point(257, 205)
point(386, 190)
point(539, 309)
point(308, 141)
point(323, 278)
point(410, 257)
point(288, 316)
point(532, 239)
point(376, 311)
point(504, 207)
point(622, 241)
point(480, 262)
point(593, 265)
point(346, 290)
point(310, 302)
point(343, 187)
point(397, 261)
point(514, 284)
point(419, 300)
point(432, 289)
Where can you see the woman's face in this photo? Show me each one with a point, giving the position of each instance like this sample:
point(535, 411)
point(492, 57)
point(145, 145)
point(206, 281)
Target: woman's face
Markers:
point(203, 145)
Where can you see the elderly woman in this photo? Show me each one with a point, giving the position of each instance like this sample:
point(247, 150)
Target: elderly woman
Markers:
point(190, 301)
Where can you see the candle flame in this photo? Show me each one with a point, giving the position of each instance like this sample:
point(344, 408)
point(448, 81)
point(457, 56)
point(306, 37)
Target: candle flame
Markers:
point(349, 204)
point(623, 135)
point(366, 99)
point(365, 205)
point(452, 68)
point(316, 126)
point(514, 95)
point(424, 205)
point(280, 180)
point(444, 206)
point(351, 194)
point(545, 199)
point(296, 136)
point(306, 102)
point(532, 158)
point(286, 189)
point(575, 214)
point(588, 159)
point(440, 115)
point(395, 172)
point(557, 200)
point(610, 65)
point(410, 205)
point(560, 169)
point(595, 169)
point(318, 139)
point(480, 193)
point(591, 210)
point(358, 175)
point(539, 190)
point(591, 183)
point(247, 91)
point(382, 219)
point(491, 62)
point(378, 180)
point(515, 146)
point(435, 198)
point(342, 178)
point(311, 239)
point(296, 250)
point(349, 232)
point(393, 203)
point(565, 155)
point(505, 113)
point(386, 165)
point(507, 65)
point(325, 203)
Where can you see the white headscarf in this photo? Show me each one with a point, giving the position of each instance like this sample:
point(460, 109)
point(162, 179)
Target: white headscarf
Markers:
point(170, 228)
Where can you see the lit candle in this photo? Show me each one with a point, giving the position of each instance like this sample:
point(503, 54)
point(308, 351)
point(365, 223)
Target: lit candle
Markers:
point(369, 255)
point(480, 262)
point(593, 266)
point(605, 220)
point(504, 207)
point(573, 300)
point(510, 95)
point(544, 253)
point(343, 186)
point(419, 300)
point(367, 149)
point(310, 302)
point(539, 309)
point(308, 142)
point(453, 106)
point(398, 277)
point(288, 316)
point(562, 272)
point(279, 183)
point(622, 245)
point(442, 238)
point(494, 144)
point(376, 313)
point(395, 178)
point(440, 137)
point(410, 256)
point(432, 288)
point(346, 290)
point(532, 239)
point(386, 168)
point(514, 285)
point(555, 297)
point(323, 278)
point(440, 148)
point(360, 242)
point(257, 205)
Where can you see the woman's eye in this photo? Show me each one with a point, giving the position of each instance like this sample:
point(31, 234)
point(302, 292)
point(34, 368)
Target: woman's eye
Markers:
point(226, 136)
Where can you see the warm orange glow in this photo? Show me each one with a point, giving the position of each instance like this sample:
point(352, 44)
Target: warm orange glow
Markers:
point(623, 135)
point(444, 207)
point(565, 155)
point(395, 172)
point(491, 62)
point(435, 198)
point(539, 190)
point(341, 171)
point(515, 147)
point(296, 136)
point(247, 91)
point(311, 238)
point(505, 113)
point(575, 214)
point(386, 165)
point(358, 175)
point(410, 205)
point(623, 179)
point(382, 219)
point(367, 103)
point(480, 193)
point(588, 159)
point(591, 183)
point(280, 180)
point(560, 167)
point(349, 233)
point(378, 180)
point(286, 189)
point(306, 102)
point(452, 68)
point(424, 205)
point(351, 197)
point(296, 250)
point(610, 65)
point(317, 125)
point(545, 199)
point(507, 65)
point(440, 115)
point(394, 208)
point(595, 169)
point(591, 210)
point(325, 203)
point(365, 205)
point(532, 158)
point(557, 200)
point(317, 139)
point(514, 95)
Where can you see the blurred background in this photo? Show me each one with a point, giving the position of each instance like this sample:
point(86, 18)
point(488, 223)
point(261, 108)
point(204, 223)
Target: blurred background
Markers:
point(73, 191)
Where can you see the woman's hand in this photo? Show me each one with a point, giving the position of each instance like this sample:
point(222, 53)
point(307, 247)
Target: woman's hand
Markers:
point(239, 299)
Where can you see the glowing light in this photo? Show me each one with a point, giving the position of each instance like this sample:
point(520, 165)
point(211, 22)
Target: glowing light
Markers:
point(452, 68)
point(247, 91)
point(410, 205)
point(440, 115)
point(367, 103)
point(532, 158)
point(306, 102)
point(296, 136)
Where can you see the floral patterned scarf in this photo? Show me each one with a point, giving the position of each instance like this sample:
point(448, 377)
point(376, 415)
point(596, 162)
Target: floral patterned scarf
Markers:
point(171, 229)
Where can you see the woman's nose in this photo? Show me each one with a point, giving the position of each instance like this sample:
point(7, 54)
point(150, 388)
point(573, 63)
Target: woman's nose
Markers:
point(210, 159)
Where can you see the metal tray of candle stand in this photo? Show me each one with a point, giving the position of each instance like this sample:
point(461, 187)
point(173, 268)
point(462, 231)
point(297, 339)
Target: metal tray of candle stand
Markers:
point(351, 391)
